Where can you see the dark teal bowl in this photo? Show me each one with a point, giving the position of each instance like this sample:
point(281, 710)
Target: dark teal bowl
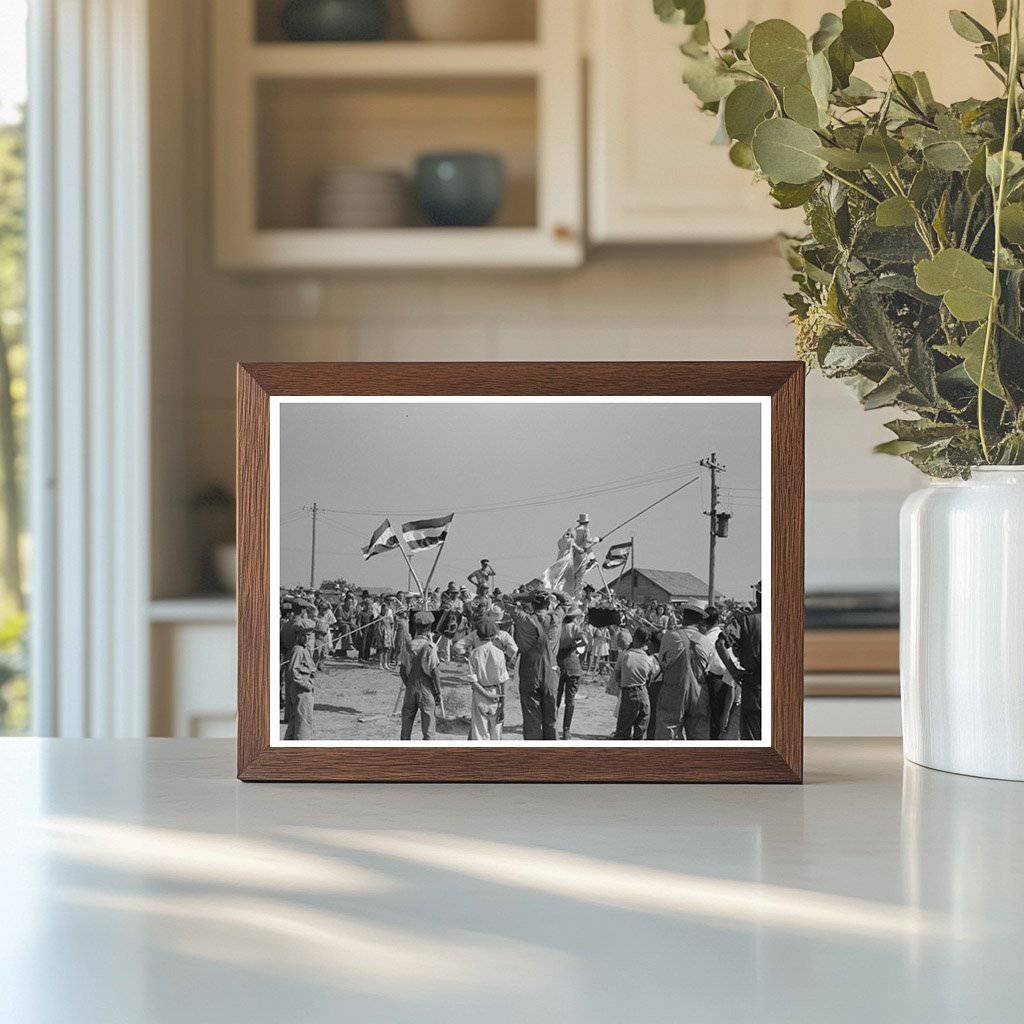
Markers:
point(460, 190)
point(334, 21)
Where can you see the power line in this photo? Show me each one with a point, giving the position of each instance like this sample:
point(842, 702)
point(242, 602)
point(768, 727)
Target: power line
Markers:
point(626, 483)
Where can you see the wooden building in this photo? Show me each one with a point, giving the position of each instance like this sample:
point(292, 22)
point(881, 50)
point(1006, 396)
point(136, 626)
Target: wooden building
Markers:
point(661, 585)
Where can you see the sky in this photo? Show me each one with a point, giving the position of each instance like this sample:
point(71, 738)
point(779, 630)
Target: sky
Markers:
point(363, 461)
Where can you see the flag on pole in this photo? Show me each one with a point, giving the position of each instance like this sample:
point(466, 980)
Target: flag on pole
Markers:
point(382, 539)
point(426, 533)
point(617, 555)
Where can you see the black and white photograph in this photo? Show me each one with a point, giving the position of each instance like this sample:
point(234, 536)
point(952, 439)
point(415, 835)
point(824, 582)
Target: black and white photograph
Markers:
point(548, 570)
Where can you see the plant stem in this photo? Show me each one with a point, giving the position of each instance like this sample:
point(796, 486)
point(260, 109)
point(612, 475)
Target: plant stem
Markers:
point(853, 185)
point(1011, 108)
point(908, 100)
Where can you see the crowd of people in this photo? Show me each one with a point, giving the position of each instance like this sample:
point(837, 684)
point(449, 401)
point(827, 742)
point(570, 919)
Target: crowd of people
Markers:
point(681, 671)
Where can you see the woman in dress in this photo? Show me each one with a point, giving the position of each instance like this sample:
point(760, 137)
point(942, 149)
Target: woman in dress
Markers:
point(386, 635)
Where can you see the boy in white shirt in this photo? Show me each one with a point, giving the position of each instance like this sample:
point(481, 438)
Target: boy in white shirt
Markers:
point(488, 673)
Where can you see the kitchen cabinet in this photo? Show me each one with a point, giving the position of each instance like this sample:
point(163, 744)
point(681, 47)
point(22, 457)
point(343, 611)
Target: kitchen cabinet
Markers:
point(288, 114)
point(653, 175)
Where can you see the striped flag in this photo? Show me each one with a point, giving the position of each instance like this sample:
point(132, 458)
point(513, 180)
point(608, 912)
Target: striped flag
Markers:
point(383, 539)
point(425, 533)
point(617, 555)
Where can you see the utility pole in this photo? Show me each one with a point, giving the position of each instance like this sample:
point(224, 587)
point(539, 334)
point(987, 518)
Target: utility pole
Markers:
point(312, 550)
point(712, 465)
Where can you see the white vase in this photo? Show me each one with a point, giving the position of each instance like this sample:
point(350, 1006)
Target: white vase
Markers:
point(962, 624)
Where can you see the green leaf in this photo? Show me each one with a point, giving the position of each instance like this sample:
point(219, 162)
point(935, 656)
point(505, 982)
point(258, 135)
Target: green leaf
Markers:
point(739, 41)
point(922, 185)
point(690, 12)
point(895, 447)
point(905, 84)
point(745, 108)
point(924, 88)
point(829, 30)
point(993, 167)
point(707, 78)
point(939, 220)
point(923, 431)
point(844, 159)
point(895, 212)
point(969, 28)
point(666, 10)
point(693, 10)
point(701, 34)
point(947, 156)
point(779, 51)
point(976, 174)
point(801, 106)
point(841, 63)
point(883, 152)
point(971, 352)
point(788, 197)
point(1012, 224)
point(866, 29)
point(885, 394)
point(963, 281)
point(819, 74)
point(741, 155)
point(787, 151)
point(857, 91)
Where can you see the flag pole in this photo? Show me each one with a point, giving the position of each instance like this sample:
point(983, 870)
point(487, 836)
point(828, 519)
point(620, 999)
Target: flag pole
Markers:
point(405, 555)
point(437, 557)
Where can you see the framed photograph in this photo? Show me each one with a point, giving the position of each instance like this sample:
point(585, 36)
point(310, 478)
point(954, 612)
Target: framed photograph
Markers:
point(520, 572)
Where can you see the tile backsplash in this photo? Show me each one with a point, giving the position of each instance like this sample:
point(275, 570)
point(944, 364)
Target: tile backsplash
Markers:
point(720, 302)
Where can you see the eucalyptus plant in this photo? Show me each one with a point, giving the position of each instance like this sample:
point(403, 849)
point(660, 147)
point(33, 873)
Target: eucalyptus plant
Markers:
point(910, 277)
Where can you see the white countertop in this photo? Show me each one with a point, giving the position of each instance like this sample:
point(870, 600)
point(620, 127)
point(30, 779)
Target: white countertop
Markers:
point(140, 882)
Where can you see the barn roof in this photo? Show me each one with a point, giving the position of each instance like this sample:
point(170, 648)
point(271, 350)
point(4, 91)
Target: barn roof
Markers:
point(675, 584)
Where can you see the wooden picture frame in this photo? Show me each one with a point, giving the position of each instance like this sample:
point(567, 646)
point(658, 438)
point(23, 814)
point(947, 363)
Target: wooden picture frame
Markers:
point(779, 760)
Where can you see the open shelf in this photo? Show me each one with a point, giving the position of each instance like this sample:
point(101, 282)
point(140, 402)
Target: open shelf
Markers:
point(402, 60)
point(309, 127)
point(287, 114)
point(520, 22)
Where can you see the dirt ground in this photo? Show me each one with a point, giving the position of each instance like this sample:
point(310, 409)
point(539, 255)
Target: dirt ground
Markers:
point(355, 702)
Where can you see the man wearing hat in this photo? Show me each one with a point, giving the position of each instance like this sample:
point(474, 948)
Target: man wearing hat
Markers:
point(299, 677)
point(683, 708)
point(421, 672)
point(569, 667)
point(537, 632)
point(582, 544)
point(488, 673)
point(481, 578)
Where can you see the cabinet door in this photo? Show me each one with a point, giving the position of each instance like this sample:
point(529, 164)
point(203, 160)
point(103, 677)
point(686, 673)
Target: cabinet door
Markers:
point(654, 177)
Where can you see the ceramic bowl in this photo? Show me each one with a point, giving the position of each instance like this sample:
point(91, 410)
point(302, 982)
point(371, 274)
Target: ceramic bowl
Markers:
point(460, 189)
point(333, 21)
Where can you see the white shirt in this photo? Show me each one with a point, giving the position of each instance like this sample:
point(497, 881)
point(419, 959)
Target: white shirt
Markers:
point(717, 667)
point(487, 666)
